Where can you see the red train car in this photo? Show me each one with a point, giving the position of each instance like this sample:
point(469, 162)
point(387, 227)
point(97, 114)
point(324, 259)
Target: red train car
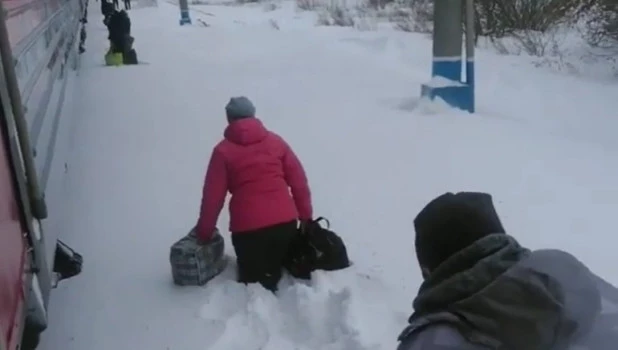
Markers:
point(39, 41)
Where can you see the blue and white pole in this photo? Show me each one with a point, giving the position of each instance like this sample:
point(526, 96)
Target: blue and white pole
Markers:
point(447, 81)
point(470, 41)
point(184, 12)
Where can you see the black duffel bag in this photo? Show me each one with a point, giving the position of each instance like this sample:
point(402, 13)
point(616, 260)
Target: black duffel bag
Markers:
point(316, 248)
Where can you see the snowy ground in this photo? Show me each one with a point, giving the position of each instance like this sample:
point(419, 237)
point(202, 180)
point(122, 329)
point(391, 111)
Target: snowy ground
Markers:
point(543, 144)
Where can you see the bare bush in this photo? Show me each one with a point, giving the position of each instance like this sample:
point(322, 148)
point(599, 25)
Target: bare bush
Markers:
point(308, 5)
point(535, 43)
point(531, 24)
point(413, 16)
point(365, 20)
point(379, 4)
point(601, 25)
point(558, 64)
point(335, 14)
point(500, 18)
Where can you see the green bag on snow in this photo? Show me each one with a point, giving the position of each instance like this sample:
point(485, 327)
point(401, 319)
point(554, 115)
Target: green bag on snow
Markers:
point(113, 59)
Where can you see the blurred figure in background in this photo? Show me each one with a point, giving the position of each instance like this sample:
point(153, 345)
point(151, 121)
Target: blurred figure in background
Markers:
point(107, 9)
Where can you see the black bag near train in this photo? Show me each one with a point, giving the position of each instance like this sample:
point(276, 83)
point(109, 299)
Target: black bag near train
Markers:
point(316, 248)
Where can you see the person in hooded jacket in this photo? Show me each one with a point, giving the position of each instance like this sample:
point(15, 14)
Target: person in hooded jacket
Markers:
point(119, 27)
point(483, 290)
point(107, 9)
point(269, 194)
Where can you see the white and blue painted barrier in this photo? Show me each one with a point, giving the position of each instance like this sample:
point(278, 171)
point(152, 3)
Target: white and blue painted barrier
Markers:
point(449, 60)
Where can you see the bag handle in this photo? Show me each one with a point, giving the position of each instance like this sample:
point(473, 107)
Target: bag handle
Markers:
point(311, 225)
point(321, 218)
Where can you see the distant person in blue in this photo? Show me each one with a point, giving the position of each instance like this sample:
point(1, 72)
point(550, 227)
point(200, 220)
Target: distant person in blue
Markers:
point(482, 290)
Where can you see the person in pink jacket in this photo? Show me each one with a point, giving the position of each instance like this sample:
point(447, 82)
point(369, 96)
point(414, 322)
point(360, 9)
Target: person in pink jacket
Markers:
point(269, 194)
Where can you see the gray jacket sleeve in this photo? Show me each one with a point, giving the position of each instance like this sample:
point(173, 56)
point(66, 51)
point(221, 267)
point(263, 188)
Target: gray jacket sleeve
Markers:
point(437, 337)
point(604, 334)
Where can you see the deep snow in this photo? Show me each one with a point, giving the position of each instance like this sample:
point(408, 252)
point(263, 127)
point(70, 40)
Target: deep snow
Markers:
point(542, 143)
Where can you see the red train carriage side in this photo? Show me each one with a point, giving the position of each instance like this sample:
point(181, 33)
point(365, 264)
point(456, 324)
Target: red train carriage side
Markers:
point(12, 256)
point(39, 51)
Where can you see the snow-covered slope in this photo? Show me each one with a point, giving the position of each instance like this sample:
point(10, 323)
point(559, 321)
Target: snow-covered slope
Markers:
point(543, 144)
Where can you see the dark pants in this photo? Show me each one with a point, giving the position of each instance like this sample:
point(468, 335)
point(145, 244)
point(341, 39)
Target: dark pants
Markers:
point(261, 253)
point(127, 4)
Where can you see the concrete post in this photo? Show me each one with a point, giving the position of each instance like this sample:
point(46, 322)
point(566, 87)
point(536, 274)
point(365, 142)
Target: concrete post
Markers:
point(447, 39)
point(184, 12)
point(448, 61)
point(470, 40)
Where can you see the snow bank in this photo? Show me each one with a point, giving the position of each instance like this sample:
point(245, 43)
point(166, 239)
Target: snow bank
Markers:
point(439, 82)
point(336, 311)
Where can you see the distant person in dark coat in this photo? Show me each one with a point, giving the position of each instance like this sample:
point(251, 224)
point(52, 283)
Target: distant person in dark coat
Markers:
point(119, 27)
point(107, 9)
